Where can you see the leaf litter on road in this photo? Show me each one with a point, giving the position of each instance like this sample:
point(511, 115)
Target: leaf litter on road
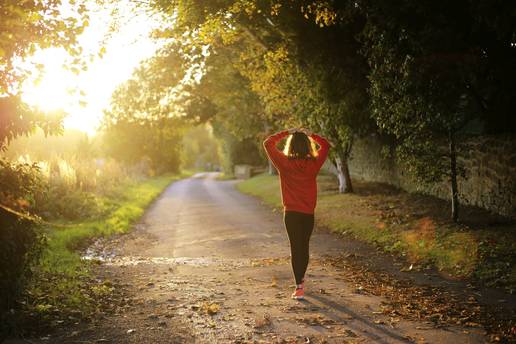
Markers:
point(441, 306)
point(262, 321)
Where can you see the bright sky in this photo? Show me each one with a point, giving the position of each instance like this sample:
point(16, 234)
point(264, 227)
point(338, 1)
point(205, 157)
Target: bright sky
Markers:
point(125, 48)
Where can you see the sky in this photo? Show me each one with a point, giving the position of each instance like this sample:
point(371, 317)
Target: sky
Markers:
point(125, 48)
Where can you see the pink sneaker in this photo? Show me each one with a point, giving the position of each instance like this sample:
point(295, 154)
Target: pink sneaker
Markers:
point(299, 293)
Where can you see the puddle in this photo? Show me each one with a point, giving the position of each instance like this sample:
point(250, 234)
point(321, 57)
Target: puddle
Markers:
point(94, 252)
point(113, 260)
point(100, 253)
point(137, 260)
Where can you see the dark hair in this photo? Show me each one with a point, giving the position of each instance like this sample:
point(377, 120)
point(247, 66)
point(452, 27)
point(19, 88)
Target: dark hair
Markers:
point(299, 146)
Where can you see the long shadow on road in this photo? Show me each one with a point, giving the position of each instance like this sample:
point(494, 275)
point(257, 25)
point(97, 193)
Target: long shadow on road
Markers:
point(368, 328)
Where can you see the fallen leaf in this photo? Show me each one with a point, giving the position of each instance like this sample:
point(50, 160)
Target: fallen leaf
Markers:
point(274, 282)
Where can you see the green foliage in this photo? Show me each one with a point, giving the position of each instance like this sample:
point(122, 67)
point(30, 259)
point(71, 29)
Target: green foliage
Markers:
point(31, 25)
point(419, 94)
point(19, 184)
point(145, 141)
point(314, 75)
point(224, 96)
point(268, 66)
point(21, 243)
point(66, 204)
point(17, 119)
point(53, 193)
point(200, 149)
point(142, 122)
point(426, 72)
point(72, 187)
point(26, 27)
point(62, 189)
point(235, 150)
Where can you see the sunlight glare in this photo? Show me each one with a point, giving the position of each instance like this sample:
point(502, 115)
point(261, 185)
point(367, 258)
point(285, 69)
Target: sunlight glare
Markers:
point(85, 95)
point(52, 91)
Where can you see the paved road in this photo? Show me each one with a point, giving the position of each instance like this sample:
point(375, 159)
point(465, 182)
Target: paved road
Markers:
point(208, 264)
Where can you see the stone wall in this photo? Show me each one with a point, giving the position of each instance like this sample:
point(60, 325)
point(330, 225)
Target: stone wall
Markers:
point(490, 165)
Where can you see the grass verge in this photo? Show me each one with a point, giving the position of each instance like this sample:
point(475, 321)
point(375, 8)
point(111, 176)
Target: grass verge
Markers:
point(62, 283)
point(225, 176)
point(413, 226)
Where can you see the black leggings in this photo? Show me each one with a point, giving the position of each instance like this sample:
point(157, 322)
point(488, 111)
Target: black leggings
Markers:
point(299, 228)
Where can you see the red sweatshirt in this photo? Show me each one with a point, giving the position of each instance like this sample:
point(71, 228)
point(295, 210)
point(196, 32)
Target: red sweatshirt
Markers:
point(297, 176)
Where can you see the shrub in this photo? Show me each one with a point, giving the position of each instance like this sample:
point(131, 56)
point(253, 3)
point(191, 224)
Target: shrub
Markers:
point(19, 184)
point(68, 204)
point(20, 239)
point(21, 243)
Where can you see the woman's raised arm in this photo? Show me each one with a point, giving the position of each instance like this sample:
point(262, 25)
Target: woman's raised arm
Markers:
point(322, 153)
point(273, 153)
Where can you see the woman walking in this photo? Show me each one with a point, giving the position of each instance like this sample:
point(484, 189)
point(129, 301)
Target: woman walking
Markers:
point(298, 166)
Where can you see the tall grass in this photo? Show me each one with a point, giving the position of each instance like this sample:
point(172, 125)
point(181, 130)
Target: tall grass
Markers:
point(77, 189)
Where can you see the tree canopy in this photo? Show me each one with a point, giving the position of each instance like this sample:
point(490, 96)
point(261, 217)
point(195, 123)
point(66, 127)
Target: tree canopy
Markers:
point(26, 27)
point(424, 72)
point(143, 121)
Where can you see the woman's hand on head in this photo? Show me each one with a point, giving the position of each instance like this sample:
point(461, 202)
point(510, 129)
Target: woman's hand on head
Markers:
point(292, 130)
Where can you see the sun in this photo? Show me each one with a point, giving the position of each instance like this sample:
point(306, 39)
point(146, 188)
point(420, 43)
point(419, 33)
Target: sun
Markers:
point(52, 89)
point(84, 96)
point(57, 88)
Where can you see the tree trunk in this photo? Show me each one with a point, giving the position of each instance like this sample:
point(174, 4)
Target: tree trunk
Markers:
point(453, 179)
point(341, 157)
point(272, 169)
point(341, 165)
point(347, 177)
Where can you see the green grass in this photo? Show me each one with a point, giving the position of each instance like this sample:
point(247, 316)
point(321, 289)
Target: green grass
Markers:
point(264, 186)
point(225, 176)
point(59, 281)
point(383, 219)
